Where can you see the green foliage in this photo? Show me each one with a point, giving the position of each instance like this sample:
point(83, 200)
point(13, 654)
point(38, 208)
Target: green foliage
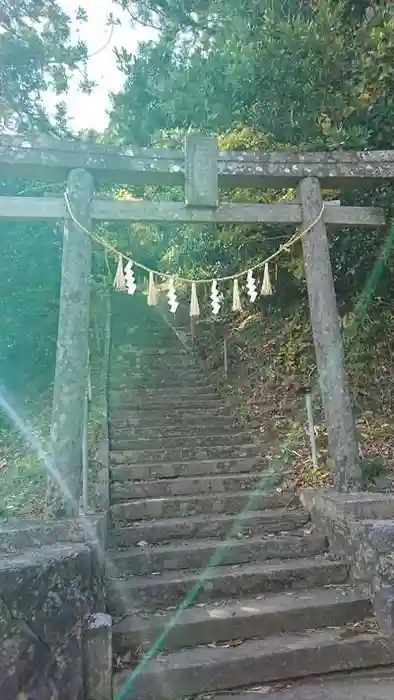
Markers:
point(303, 75)
point(372, 469)
point(299, 76)
point(29, 296)
point(22, 479)
point(37, 54)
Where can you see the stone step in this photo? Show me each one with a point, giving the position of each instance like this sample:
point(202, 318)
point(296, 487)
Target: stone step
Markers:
point(158, 339)
point(167, 404)
point(145, 356)
point(135, 418)
point(261, 616)
point(119, 429)
point(258, 661)
point(211, 504)
point(176, 415)
point(122, 441)
point(376, 683)
point(221, 583)
point(182, 486)
point(169, 354)
point(173, 348)
point(141, 361)
point(199, 526)
point(185, 370)
point(132, 345)
point(133, 350)
point(173, 470)
point(362, 684)
point(157, 378)
point(198, 554)
point(145, 351)
point(147, 393)
point(148, 333)
point(159, 329)
point(181, 454)
point(139, 379)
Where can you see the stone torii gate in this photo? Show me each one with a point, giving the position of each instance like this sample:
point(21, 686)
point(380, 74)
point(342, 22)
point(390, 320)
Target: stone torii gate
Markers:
point(202, 170)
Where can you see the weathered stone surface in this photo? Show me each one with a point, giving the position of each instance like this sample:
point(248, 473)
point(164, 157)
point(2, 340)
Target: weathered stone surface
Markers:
point(71, 371)
point(201, 171)
point(366, 544)
point(180, 454)
point(176, 414)
point(197, 555)
point(262, 616)
point(336, 217)
point(30, 668)
point(384, 608)
point(367, 505)
point(178, 376)
point(167, 404)
point(258, 661)
point(150, 352)
point(171, 470)
point(162, 380)
point(54, 581)
point(163, 427)
point(97, 657)
point(19, 535)
point(376, 684)
point(125, 442)
point(338, 410)
point(360, 505)
point(20, 653)
point(155, 394)
point(183, 486)
point(45, 158)
point(193, 505)
point(146, 345)
point(248, 523)
point(222, 582)
point(44, 596)
point(16, 536)
point(107, 209)
point(62, 675)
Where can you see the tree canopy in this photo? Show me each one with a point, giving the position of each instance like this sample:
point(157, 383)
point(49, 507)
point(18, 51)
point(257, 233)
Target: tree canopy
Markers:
point(36, 54)
point(309, 75)
point(268, 75)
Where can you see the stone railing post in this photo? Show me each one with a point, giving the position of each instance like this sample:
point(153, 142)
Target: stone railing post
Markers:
point(97, 657)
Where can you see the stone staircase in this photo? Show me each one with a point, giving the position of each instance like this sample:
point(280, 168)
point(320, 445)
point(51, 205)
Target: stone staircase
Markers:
point(211, 564)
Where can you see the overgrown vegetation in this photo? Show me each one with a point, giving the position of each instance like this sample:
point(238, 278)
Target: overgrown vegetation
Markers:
point(272, 75)
point(271, 364)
